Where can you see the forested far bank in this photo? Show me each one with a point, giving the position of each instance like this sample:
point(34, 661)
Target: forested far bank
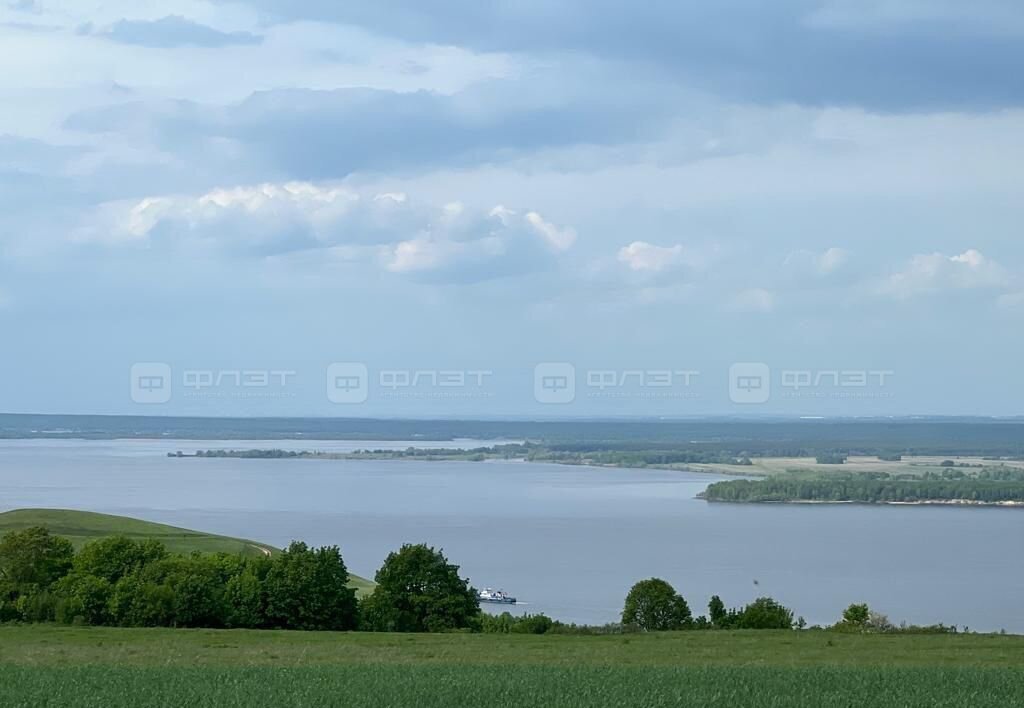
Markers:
point(868, 490)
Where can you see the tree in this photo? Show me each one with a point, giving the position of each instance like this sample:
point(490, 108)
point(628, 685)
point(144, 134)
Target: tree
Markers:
point(82, 599)
point(716, 611)
point(34, 557)
point(308, 589)
point(140, 602)
point(764, 613)
point(197, 586)
point(654, 605)
point(418, 590)
point(115, 557)
point(245, 601)
point(856, 615)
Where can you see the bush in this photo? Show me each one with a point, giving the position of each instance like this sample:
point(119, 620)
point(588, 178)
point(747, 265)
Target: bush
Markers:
point(506, 623)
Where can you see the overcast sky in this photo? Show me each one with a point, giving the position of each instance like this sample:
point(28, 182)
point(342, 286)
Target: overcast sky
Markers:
point(833, 189)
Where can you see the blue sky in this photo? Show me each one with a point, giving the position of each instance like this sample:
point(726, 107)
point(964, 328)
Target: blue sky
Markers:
point(830, 188)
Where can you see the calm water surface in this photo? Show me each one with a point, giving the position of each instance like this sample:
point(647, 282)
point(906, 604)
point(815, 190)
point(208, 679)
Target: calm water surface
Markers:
point(568, 541)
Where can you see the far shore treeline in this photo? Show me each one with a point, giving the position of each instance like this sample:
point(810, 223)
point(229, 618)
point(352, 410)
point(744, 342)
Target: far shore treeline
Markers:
point(996, 486)
point(118, 581)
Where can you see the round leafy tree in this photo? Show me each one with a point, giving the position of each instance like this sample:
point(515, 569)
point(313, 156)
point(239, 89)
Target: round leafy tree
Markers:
point(418, 590)
point(34, 557)
point(307, 588)
point(654, 605)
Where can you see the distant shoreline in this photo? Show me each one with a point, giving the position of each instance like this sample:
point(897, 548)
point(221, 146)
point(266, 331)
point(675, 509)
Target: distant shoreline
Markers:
point(1009, 504)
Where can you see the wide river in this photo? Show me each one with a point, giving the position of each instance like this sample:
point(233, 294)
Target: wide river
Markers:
point(568, 541)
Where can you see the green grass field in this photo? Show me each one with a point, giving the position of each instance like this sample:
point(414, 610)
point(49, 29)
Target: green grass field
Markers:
point(80, 527)
point(62, 666)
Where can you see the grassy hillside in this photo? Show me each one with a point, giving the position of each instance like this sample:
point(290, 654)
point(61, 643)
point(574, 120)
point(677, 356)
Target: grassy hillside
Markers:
point(65, 666)
point(84, 526)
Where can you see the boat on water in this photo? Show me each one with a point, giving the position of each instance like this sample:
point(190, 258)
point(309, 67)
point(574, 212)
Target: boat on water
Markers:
point(498, 596)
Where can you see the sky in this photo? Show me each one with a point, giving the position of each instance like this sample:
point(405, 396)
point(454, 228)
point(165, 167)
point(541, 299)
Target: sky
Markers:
point(466, 208)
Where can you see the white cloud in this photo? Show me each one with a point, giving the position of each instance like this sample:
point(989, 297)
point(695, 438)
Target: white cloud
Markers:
point(427, 254)
point(643, 256)
point(272, 219)
point(559, 239)
point(935, 272)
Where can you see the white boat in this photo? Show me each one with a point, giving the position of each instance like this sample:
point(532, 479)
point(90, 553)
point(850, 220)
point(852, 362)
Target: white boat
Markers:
point(499, 596)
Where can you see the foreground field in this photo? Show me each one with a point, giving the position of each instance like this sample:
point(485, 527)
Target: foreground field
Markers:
point(501, 687)
point(60, 666)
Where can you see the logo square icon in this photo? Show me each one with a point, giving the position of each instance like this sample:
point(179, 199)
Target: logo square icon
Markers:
point(750, 382)
point(554, 382)
point(347, 382)
point(151, 382)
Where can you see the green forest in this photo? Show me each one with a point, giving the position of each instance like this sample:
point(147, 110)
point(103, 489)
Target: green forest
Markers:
point(870, 489)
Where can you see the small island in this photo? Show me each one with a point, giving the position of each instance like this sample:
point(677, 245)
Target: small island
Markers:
point(820, 477)
point(988, 486)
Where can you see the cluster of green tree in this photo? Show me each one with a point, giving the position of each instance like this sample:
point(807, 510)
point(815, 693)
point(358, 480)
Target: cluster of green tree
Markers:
point(654, 605)
point(507, 623)
point(122, 582)
point(638, 459)
point(858, 488)
point(246, 454)
point(1001, 473)
point(509, 450)
point(119, 581)
point(830, 458)
point(861, 619)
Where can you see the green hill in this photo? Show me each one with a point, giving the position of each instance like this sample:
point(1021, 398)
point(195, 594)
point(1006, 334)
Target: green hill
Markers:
point(80, 527)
